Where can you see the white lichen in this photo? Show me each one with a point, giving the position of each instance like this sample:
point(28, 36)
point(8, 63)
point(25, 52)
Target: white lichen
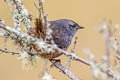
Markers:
point(28, 61)
point(21, 15)
point(44, 47)
point(47, 76)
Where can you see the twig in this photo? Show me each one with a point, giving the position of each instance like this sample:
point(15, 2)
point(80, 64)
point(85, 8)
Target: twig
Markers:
point(64, 70)
point(42, 10)
point(56, 64)
point(74, 57)
point(22, 14)
point(7, 51)
point(72, 51)
point(15, 18)
point(108, 46)
point(108, 35)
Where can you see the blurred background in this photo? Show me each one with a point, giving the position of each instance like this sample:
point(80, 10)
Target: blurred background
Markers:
point(87, 13)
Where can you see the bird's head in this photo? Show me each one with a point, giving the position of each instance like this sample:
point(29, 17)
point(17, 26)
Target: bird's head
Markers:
point(73, 26)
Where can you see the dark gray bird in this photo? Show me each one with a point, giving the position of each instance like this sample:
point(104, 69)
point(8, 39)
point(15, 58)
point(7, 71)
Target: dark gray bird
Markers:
point(63, 31)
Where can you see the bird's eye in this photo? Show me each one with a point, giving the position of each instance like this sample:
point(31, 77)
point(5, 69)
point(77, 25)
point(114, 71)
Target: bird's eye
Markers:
point(74, 25)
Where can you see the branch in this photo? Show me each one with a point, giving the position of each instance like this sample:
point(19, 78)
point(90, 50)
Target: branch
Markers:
point(29, 39)
point(56, 64)
point(22, 15)
point(64, 70)
point(7, 51)
point(74, 57)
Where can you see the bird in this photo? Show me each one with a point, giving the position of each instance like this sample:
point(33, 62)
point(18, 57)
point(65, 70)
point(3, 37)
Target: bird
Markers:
point(63, 30)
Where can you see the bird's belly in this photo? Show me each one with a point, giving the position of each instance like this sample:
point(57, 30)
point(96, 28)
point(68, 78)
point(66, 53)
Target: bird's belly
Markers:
point(62, 42)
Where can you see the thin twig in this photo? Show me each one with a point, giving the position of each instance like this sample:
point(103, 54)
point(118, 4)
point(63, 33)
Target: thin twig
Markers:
point(108, 46)
point(72, 51)
point(7, 51)
point(74, 57)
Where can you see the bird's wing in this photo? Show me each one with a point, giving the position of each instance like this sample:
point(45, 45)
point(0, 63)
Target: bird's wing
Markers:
point(56, 30)
point(56, 34)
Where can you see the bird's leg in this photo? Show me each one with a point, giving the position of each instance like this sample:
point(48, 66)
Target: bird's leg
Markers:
point(54, 61)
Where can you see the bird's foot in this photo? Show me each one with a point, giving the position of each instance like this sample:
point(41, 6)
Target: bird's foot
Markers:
point(54, 61)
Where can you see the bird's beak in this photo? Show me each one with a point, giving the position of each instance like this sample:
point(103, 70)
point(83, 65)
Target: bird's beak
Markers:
point(80, 27)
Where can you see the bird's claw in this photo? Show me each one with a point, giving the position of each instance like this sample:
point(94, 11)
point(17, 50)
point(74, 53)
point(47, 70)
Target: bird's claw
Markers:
point(54, 61)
